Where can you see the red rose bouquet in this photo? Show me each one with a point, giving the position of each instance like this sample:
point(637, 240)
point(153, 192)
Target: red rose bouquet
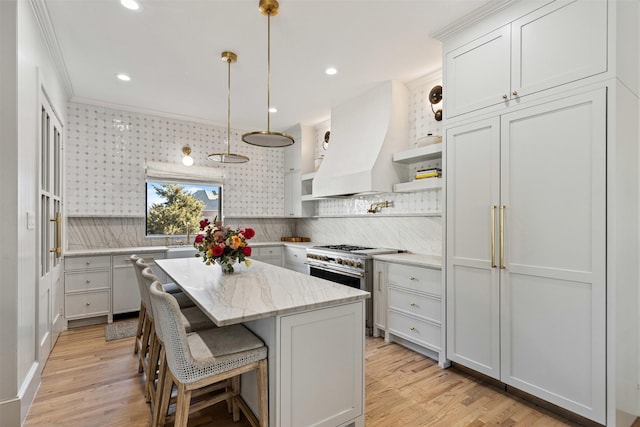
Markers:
point(223, 245)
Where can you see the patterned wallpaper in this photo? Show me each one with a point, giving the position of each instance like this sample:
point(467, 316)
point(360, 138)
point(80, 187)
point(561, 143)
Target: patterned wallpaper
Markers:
point(106, 150)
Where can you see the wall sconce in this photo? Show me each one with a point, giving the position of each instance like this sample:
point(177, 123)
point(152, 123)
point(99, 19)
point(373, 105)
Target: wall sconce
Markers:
point(187, 160)
point(435, 96)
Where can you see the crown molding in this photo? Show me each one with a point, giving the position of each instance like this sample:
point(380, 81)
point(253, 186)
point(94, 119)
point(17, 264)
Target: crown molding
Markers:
point(488, 9)
point(51, 41)
point(150, 112)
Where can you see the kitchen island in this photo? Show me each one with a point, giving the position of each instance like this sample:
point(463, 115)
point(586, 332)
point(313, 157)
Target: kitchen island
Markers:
point(314, 330)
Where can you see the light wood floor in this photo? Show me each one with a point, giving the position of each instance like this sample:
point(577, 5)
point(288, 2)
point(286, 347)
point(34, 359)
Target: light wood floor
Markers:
point(89, 382)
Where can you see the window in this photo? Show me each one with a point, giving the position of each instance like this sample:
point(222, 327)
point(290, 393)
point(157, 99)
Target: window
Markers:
point(177, 208)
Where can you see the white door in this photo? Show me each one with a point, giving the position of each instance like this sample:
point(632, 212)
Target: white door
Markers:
point(473, 196)
point(478, 74)
point(553, 287)
point(50, 230)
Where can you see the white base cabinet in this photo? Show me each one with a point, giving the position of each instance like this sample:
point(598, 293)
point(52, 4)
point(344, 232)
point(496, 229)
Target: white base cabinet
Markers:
point(126, 291)
point(380, 278)
point(87, 287)
point(407, 305)
point(295, 259)
point(269, 254)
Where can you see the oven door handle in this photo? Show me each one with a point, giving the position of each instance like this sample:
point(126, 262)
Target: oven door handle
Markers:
point(335, 270)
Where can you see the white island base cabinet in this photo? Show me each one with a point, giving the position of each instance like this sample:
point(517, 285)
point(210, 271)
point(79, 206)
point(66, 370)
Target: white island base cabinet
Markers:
point(316, 367)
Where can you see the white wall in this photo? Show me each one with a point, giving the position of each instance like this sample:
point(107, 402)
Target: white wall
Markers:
point(19, 368)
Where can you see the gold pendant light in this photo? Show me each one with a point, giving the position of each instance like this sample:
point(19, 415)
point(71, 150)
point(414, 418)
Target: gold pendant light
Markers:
point(268, 138)
point(228, 157)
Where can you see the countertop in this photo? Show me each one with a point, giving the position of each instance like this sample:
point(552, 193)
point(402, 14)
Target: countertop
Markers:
point(256, 292)
point(420, 260)
point(148, 249)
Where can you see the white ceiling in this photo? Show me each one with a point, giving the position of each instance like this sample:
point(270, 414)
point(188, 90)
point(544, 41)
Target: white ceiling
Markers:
point(171, 49)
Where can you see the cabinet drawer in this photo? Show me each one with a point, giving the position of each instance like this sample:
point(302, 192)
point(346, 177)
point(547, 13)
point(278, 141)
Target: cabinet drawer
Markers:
point(86, 280)
point(125, 260)
point(418, 305)
point(295, 255)
point(421, 332)
point(269, 251)
point(86, 304)
point(416, 278)
point(87, 262)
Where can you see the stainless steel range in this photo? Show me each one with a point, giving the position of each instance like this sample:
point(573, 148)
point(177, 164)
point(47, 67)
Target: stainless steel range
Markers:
point(348, 265)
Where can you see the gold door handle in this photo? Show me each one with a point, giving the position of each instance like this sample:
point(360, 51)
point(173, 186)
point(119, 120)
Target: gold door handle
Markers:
point(58, 221)
point(502, 208)
point(493, 236)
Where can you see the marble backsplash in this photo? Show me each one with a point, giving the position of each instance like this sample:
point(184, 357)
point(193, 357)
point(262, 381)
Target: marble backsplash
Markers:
point(121, 232)
point(418, 234)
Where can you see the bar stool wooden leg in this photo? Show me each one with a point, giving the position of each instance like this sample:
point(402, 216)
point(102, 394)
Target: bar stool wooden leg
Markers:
point(263, 394)
point(141, 320)
point(182, 406)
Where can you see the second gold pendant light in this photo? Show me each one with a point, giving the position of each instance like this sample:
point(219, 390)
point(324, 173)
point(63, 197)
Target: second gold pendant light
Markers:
point(268, 138)
point(228, 157)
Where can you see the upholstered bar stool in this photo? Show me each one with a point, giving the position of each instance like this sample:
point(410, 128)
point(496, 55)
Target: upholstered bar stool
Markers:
point(158, 356)
point(202, 358)
point(191, 319)
point(144, 328)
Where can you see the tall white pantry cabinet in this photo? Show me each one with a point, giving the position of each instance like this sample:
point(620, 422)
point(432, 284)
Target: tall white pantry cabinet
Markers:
point(541, 186)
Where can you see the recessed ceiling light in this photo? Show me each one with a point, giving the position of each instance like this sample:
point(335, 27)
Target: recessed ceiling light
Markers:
point(131, 5)
point(124, 77)
point(273, 110)
point(331, 71)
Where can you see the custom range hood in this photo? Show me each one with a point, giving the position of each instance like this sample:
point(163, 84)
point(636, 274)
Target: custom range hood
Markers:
point(365, 132)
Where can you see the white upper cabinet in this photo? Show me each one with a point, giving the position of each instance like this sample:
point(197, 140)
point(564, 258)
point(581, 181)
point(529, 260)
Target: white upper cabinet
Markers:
point(478, 73)
point(559, 43)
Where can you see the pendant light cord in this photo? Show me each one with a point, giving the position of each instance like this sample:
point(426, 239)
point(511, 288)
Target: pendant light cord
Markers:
point(268, 71)
point(228, 105)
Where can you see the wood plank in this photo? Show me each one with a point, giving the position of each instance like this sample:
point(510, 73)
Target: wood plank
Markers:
point(89, 382)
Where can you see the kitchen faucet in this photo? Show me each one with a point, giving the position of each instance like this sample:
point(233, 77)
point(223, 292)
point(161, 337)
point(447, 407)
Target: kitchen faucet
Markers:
point(188, 234)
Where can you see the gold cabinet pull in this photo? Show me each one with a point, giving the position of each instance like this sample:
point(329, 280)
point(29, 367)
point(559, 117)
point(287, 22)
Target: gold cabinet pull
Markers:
point(380, 281)
point(412, 328)
point(514, 93)
point(58, 221)
point(502, 208)
point(412, 278)
point(413, 304)
point(493, 236)
point(505, 97)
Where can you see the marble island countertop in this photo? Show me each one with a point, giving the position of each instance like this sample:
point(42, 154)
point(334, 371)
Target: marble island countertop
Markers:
point(257, 292)
point(420, 260)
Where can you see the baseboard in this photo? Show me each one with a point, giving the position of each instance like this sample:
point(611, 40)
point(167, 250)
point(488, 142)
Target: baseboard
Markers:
point(28, 390)
point(86, 322)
